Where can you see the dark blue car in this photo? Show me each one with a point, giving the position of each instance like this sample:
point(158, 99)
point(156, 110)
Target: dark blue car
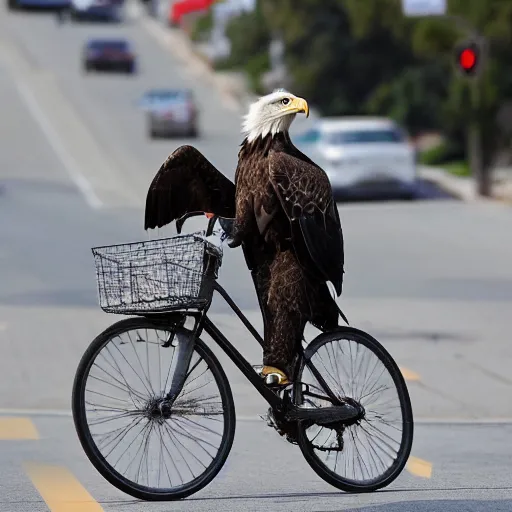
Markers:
point(40, 4)
point(109, 55)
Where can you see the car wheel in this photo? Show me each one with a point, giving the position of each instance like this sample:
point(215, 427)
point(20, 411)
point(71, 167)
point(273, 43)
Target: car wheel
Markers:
point(193, 132)
point(12, 4)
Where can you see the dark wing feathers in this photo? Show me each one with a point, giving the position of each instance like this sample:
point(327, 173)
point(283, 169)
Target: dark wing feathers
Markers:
point(187, 182)
point(305, 194)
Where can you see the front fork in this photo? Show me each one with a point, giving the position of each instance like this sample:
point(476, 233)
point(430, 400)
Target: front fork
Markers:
point(185, 347)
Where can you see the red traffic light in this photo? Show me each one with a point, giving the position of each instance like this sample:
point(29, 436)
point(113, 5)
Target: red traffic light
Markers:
point(468, 58)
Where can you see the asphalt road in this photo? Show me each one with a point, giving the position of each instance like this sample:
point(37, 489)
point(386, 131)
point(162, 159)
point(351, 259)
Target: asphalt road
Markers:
point(431, 279)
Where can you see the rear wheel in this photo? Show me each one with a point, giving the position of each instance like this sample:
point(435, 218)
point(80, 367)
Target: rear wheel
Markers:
point(372, 453)
point(118, 412)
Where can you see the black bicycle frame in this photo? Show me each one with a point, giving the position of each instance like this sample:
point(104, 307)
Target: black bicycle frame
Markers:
point(203, 322)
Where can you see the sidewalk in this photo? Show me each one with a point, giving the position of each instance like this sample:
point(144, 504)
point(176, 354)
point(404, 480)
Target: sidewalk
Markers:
point(465, 187)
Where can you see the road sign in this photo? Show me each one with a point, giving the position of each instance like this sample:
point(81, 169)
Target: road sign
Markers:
point(424, 7)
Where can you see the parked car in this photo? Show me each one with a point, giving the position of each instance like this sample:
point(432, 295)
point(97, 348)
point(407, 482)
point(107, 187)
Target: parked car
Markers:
point(170, 112)
point(97, 10)
point(38, 4)
point(109, 54)
point(362, 156)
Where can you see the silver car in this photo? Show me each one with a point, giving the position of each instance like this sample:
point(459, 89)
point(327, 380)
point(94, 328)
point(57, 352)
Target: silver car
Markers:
point(362, 156)
point(170, 112)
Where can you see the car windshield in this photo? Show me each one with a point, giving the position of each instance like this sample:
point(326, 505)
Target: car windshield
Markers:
point(166, 96)
point(364, 136)
point(110, 45)
point(309, 137)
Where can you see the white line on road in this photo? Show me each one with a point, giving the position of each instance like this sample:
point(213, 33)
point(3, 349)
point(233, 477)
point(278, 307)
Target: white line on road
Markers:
point(55, 141)
point(256, 417)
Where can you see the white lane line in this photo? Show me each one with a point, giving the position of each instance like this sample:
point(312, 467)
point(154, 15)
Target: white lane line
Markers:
point(256, 417)
point(68, 413)
point(58, 147)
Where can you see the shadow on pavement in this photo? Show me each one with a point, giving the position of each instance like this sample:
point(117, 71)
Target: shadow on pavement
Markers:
point(426, 190)
point(443, 506)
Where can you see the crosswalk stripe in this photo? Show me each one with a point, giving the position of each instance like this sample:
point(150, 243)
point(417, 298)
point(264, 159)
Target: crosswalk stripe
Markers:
point(13, 429)
point(60, 490)
point(419, 467)
point(409, 374)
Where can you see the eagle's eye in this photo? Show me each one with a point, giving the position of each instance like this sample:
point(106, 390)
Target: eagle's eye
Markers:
point(285, 101)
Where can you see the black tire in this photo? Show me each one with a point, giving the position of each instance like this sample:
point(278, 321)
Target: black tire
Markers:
point(97, 459)
point(329, 476)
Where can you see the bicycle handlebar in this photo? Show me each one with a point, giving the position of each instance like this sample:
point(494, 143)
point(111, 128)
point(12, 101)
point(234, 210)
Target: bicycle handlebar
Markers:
point(225, 223)
point(211, 223)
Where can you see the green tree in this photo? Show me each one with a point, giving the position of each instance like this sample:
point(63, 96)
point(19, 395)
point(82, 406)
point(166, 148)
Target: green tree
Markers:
point(250, 38)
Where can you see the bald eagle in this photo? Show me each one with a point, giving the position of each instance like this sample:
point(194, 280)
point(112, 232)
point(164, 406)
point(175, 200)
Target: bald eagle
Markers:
point(284, 217)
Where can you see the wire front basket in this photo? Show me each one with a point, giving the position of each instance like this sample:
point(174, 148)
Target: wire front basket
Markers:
point(154, 276)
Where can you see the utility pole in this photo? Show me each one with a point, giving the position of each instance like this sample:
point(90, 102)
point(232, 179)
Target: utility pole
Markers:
point(470, 60)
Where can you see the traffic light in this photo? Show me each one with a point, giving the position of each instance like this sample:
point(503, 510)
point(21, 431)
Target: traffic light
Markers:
point(469, 56)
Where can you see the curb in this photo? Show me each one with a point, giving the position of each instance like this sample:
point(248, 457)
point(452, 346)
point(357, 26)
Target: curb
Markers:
point(461, 187)
point(464, 188)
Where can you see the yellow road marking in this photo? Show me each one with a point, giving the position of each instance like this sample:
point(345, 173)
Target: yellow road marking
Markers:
point(17, 428)
point(419, 467)
point(61, 491)
point(409, 375)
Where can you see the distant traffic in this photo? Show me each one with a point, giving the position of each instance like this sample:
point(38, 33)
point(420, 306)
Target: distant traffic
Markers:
point(168, 111)
point(362, 156)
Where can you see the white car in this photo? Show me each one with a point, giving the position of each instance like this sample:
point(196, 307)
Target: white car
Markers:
point(362, 156)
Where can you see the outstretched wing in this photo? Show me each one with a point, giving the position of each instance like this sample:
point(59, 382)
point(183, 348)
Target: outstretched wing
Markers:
point(187, 182)
point(305, 194)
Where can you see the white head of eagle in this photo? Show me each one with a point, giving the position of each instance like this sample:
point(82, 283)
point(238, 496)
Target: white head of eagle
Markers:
point(272, 114)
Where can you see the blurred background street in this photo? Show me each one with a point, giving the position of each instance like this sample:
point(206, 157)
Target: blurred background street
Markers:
point(428, 270)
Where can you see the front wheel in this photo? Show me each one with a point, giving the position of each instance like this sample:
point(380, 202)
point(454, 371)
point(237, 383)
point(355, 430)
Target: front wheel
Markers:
point(138, 443)
point(371, 453)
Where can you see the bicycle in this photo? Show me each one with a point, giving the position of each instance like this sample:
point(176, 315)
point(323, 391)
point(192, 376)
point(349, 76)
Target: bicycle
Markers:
point(168, 282)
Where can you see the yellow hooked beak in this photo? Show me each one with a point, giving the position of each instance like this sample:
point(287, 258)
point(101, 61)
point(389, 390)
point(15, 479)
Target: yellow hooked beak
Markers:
point(297, 105)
